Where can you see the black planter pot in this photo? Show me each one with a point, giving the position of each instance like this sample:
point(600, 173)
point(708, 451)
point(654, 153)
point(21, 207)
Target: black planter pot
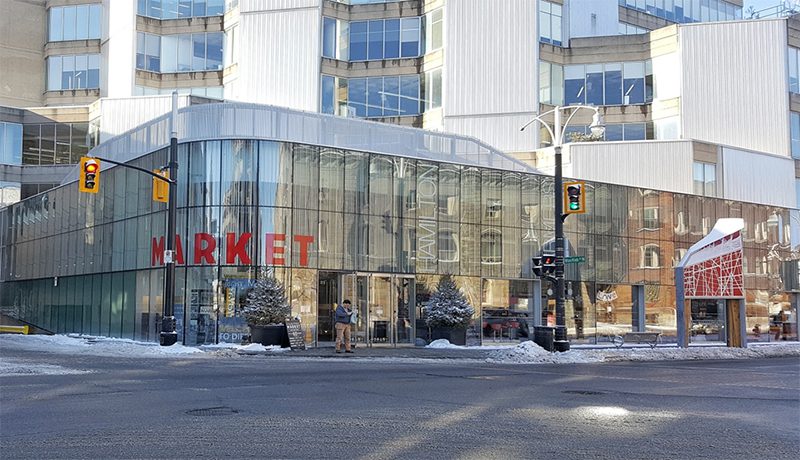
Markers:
point(270, 335)
point(456, 335)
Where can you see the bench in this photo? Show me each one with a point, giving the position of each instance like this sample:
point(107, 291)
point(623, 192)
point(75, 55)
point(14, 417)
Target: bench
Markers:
point(650, 338)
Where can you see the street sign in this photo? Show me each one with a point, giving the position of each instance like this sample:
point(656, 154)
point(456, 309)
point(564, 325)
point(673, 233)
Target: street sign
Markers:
point(574, 260)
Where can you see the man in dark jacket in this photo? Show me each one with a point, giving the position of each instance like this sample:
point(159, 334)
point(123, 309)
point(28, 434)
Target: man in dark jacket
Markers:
point(342, 318)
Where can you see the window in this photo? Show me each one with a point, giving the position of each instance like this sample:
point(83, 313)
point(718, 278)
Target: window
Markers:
point(550, 22)
point(177, 9)
point(10, 143)
point(651, 255)
point(80, 71)
point(794, 119)
point(794, 73)
point(380, 39)
point(179, 53)
point(650, 218)
point(329, 35)
point(78, 22)
point(625, 83)
point(433, 89)
point(685, 11)
point(434, 30)
point(630, 29)
point(381, 96)
point(705, 179)
point(409, 37)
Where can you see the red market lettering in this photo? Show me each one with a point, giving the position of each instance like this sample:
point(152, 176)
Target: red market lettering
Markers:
point(205, 244)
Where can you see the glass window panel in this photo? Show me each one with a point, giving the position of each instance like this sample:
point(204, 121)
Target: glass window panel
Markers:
point(198, 52)
point(238, 172)
point(81, 77)
point(392, 39)
point(697, 175)
point(331, 179)
point(795, 130)
point(357, 185)
point(215, 7)
point(574, 84)
point(62, 144)
point(329, 38)
point(184, 8)
point(54, 73)
point(633, 84)
point(634, 131)
point(199, 8)
point(613, 84)
point(214, 51)
point(614, 132)
point(380, 185)
point(794, 79)
point(357, 95)
point(391, 96)
point(169, 53)
point(93, 78)
point(594, 84)
point(710, 176)
point(67, 72)
point(375, 45)
point(185, 53)
point(306, 177)
point(470, 249)
point(409, 37)
point(204, 173)
point(358, 41)
point(327, 103)
point(69, 23)
point(472, 209)
point(56, 24)
point(374, 96)
point(409, 95)
point(82, 22)
point(275, 174)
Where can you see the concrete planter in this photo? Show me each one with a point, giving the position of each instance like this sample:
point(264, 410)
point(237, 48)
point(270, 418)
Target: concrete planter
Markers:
point(269, 335)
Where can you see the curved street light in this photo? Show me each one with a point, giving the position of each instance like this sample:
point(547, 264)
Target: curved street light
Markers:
point(557, 134)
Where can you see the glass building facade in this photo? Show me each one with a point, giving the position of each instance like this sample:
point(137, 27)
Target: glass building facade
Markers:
point(379, 230)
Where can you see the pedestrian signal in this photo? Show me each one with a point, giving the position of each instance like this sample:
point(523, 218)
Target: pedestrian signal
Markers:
point(89, 175)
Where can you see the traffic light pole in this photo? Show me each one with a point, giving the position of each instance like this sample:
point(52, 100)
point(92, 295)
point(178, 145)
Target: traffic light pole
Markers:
point(169, 335)
point(561, 343)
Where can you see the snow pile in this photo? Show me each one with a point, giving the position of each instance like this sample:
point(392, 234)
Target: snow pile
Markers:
point(442, 343)
point(530, 353)
point(258, 349)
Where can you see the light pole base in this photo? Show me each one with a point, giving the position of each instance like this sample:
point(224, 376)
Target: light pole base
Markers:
point(561, 345)
point(168, 338)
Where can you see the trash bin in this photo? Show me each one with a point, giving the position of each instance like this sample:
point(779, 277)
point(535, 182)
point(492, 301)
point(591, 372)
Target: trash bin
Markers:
point(544, 336)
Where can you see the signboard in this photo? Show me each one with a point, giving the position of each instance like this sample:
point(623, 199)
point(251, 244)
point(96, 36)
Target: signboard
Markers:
point(574, 260)
point(712, 268)
point(296, 337)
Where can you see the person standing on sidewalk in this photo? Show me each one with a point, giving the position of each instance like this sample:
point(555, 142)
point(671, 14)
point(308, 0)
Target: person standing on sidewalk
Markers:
point(342, 318)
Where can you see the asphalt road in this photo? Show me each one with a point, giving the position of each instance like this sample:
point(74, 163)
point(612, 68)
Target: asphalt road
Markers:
point(264, 407)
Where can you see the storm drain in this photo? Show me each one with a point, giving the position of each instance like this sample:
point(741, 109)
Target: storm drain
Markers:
point(212, 412)
point(583, 392)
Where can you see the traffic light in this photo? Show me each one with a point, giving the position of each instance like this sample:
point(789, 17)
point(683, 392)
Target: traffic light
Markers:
point(544, 265)
point(574, 198)
point(160, 187)
point(89, 175)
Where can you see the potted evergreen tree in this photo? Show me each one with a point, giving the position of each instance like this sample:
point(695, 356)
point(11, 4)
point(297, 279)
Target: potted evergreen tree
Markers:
point(266, 310)
point(448, 313)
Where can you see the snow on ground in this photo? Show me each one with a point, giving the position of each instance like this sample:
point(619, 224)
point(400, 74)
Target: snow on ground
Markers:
point(530, 353)
point(9, 367)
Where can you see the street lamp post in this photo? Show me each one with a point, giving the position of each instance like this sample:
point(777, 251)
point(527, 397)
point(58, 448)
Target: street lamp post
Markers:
point(557, 134)
point(168, 334)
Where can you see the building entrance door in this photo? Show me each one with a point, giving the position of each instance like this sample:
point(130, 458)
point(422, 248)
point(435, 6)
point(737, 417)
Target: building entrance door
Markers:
point(383, 304)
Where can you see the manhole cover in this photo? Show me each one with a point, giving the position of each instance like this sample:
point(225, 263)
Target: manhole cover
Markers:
point(583, 392)
point(212, 412)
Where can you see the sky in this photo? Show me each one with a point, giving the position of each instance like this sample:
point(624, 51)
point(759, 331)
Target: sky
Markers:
point(760, 4)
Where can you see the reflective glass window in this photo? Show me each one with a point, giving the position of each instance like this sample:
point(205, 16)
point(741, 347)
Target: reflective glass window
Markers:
point(329, 38)
point(633, 83)
point(358, 41)
point(574, 84)
point(594, 84)
point(409, 37)
point(613, 84)
point(392, 39)
point(794, 119)
point(794, 85)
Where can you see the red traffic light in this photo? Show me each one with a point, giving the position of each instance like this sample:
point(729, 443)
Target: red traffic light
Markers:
point(91, 167)
point(548, 260)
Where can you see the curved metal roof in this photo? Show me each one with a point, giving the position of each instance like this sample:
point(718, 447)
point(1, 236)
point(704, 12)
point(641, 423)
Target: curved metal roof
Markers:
point(236, 120)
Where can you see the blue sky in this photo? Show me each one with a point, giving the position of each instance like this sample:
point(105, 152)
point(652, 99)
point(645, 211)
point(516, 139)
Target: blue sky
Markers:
point(760, 4)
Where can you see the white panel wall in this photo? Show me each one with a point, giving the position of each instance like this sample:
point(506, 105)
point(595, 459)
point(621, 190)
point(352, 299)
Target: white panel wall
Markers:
point(593, 18)
point(656, 165)
point(118, 50)
point(758, 178)
point(735, 89)
point(279, 59)
point(490, 76)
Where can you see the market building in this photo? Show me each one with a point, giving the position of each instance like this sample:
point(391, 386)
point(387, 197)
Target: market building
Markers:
point(340, 208)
